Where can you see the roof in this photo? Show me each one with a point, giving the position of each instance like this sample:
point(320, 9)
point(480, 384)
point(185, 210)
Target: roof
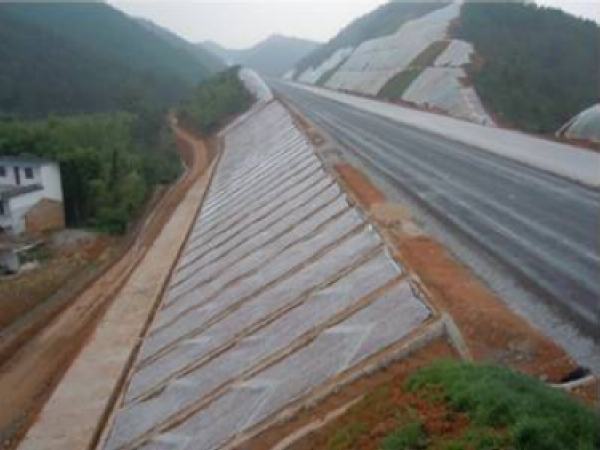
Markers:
point(27, 159)
point(7, 191)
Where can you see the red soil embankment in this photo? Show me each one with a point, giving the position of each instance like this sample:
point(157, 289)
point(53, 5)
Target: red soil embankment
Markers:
point(492, 332)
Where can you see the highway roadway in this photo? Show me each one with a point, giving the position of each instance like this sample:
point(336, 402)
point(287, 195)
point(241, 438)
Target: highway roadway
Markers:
point(540, 227)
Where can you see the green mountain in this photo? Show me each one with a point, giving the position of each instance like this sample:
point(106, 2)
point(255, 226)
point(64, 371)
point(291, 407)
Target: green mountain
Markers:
point(272, 57)
point(383, 21)
point(69, 58)
point(206, 58)
point(537, 67)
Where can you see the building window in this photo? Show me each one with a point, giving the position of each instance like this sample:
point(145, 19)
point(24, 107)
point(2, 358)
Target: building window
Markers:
point(2, 171)
point(1, 208)
point(29, 173)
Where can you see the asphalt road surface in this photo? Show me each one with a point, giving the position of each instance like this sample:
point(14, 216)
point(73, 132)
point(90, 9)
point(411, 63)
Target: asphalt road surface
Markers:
point(542, 228)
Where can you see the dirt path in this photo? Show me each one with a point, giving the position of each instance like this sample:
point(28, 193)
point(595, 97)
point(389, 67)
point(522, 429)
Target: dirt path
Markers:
point(28, 378)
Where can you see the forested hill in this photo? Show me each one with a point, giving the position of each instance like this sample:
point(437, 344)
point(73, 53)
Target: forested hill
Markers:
point(538, 67)
point(69, 58)
point(273, 56)
point(206, 58)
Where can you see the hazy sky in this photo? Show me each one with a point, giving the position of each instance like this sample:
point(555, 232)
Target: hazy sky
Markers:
point(240, 24)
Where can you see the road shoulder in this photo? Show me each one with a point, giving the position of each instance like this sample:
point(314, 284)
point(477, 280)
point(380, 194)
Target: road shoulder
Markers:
point(568, 161)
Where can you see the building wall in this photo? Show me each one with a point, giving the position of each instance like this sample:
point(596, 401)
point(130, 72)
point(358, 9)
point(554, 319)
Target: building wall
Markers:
point(51, 181)
point(45, 215)
point(18, 208)
point(46, 174)
point(10, 177)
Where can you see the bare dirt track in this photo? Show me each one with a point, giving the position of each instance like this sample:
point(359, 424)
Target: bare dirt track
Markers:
point(28, 378)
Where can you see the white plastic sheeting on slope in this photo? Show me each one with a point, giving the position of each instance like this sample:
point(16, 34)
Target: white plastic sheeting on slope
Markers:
point(457, 54)
point(441, 87)
point(585, 126)
point(376, 61)
point(256, 85)
point(312, 75)
point(281, 287)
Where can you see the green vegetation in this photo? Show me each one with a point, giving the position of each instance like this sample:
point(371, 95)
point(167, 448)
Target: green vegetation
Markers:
point(109, 163)
point(383, 21)
point(74, 58)
point(453, 405)
point(530, 415)
point(207, 59)
point(348, 435)
point(394, 89)
point(409, 436)
point(345, 437)
point(539, 66)
point(89, 87)
point(215, 101)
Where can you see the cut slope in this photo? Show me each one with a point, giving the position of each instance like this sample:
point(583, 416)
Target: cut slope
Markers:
point(533, 68)
point(381, 22)
point(282, 290)
point(417, 64)
point(86, 57)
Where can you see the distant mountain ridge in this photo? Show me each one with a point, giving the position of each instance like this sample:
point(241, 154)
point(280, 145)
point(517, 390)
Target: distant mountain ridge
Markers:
point(273, 56)
point(71, 58)
point(227, 55)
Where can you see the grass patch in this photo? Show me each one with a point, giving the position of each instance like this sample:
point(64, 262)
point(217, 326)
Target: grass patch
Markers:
point(479, 438)
point(428, 56)
point(409, 437)
point(532, 415)
point(457, 406)
point(357, 425)
point(345, 438)
point(396, 87)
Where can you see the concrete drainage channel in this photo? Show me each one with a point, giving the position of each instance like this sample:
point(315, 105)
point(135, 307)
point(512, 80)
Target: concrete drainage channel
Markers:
point(283, 293)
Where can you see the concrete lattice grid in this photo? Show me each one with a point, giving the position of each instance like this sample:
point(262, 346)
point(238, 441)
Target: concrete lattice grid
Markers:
point(282, 287)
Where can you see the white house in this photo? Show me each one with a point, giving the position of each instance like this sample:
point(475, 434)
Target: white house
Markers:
point(31, 197)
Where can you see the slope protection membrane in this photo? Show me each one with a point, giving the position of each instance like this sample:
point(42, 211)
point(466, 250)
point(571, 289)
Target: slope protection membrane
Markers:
point(282, 287)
